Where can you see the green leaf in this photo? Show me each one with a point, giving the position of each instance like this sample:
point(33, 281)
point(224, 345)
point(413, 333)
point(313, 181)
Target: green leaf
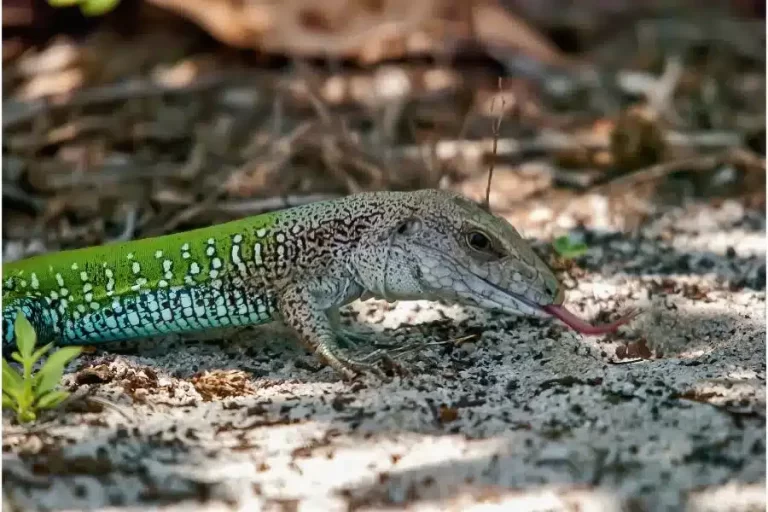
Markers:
point(8, 402)
point(12, 380)
point(25, 335)
point(568, 249)
point(17, 357)
point(97, 7)
point(50, 374)
point(25, 416)
point(63, 3)
point(42, 350)
point(52, 399)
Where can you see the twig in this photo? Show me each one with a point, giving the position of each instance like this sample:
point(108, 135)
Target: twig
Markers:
point(496, 127)
point(660, 96)
point(16, 113)
point(280, 151)
point(700, 163)
point(84, 395)
point(330, 146)
point(626, 361)
point(109, 405)
point(310, 88)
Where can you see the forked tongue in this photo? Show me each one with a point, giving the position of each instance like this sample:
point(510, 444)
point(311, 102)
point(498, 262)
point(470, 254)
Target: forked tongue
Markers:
point(583, 327)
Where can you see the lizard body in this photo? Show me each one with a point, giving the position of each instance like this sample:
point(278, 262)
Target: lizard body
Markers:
point(298, 265)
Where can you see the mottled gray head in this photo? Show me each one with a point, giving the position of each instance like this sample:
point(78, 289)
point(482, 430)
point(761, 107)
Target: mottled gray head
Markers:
point(439, 245)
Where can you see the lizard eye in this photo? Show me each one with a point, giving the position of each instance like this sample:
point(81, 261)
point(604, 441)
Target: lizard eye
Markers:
point(478, 241)
point(483, 246)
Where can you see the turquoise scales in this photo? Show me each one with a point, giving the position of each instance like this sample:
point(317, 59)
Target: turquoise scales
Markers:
point(177, 283)
point(299, 265)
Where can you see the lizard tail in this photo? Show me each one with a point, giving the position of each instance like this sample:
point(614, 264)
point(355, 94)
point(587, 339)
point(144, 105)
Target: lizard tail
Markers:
point(38, 315)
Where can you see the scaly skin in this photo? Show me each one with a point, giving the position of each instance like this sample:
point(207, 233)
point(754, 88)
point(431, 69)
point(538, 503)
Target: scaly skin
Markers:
point(298, 265)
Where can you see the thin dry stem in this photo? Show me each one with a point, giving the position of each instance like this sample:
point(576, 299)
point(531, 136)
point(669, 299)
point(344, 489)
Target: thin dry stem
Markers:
point(496, 127)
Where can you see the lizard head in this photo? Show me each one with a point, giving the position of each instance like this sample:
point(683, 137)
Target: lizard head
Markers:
point(439, 245)
point(442, 246)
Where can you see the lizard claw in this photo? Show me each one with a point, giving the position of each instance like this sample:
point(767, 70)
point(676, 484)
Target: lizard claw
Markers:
point(347, 366)
point(358, 367)
point(353, 367)
point(348, 339)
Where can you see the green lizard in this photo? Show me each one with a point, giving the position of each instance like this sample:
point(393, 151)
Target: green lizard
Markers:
point(298, 265)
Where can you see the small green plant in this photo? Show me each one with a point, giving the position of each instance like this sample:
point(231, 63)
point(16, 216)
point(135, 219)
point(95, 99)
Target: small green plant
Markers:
point(26, 393)
point(87, 7)
point(566, 248)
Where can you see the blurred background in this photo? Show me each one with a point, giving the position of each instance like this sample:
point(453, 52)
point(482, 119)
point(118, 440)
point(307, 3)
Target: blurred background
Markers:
point(135, 118)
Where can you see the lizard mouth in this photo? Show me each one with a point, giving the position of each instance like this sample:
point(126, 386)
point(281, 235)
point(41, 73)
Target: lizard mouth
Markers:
point(559, 311)
point(577, 324)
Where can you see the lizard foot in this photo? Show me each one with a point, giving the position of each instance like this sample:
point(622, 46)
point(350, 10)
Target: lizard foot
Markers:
point(349, 339)
point(345, 365)
point(381, 355)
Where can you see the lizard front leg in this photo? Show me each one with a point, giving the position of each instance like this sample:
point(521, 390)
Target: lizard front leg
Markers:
point(305, 307)
point(346, 338)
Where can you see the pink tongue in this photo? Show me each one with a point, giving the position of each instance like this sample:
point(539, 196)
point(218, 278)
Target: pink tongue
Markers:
point(583, 327)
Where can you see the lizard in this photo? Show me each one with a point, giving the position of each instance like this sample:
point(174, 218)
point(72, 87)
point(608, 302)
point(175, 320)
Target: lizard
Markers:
point(298, 265)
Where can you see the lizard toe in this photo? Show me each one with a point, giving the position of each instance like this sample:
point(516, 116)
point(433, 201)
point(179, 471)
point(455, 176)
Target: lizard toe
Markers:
point(349, 367)
point(349, 339)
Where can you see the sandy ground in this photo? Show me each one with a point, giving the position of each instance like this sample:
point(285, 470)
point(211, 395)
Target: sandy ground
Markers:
point(524, 415)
